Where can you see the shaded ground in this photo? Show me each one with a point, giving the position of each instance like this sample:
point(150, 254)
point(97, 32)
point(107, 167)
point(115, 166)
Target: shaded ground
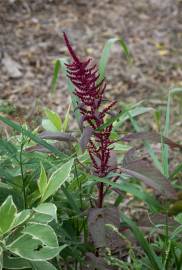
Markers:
point(31, 35)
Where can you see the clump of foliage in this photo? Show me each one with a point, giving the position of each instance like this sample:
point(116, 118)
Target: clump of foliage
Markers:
point(63, 195)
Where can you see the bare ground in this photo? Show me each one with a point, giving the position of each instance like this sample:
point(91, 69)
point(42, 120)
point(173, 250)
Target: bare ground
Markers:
point(31, 39)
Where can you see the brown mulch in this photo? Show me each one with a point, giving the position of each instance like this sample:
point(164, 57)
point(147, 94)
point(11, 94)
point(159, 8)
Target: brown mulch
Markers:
point(31, 39)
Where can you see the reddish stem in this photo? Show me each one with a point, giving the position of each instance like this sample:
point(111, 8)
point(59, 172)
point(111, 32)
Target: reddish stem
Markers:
point(100, 195)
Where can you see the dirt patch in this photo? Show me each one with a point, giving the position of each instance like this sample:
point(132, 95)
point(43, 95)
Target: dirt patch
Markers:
point(31, 36)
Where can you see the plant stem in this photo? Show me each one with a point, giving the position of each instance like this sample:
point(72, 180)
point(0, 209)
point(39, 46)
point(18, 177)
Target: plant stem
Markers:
point(22, 175)
point(100, 195)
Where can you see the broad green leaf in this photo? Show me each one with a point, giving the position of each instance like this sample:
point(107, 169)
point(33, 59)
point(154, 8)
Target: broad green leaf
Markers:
point(42, 232)
point(54, 118)
point(155, 261)
point(7, 215)
point(41, 218)
point(106, 53)
point(21, 217)
point(15, 263)
point(42, 266)
point(57, 179)
point(47, 208)
point(17, 197)
point(48, 125)
point(42, 181)
point(1, 258)
point(29, 248)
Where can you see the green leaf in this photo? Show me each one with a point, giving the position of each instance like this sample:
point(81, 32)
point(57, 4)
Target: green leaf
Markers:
point(48, 125)
point(42, 181)
point(41, 218)
point(42, 232)
point(42, 266)
point(7, 215)
point(106, 53)
point(21, 218)
point(48, 209)
point(57, 179)
point(54, 118)
point(155, 261)
point(29, 248)
point(1, 258)
point(15, 263)
point(17, 197)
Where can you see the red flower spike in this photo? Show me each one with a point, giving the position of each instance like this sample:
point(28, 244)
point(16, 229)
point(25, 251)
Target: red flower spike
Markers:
point(84, 77)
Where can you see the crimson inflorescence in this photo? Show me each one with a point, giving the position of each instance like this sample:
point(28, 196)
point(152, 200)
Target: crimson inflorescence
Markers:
point(90, 93)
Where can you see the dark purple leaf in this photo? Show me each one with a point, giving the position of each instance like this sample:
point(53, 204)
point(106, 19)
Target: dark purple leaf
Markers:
point(152, 137)
point(86, 135)
point(102, 235)
point(57, 136)
point(82, 117)
point(144, 170)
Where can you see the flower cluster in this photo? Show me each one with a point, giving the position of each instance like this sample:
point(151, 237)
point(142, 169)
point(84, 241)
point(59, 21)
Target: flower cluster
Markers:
point(90, 93)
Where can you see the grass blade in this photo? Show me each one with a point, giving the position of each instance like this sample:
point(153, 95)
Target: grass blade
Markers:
point(155, 262)
point(30, 135)
point(131, 189)
point(106, 53)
